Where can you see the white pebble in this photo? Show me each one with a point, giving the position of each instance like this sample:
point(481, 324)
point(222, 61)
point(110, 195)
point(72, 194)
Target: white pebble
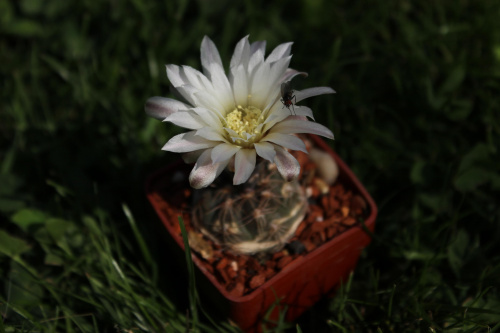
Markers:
point(328, 169)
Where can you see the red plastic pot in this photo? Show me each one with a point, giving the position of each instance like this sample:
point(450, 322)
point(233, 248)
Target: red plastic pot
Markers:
point(300, 284)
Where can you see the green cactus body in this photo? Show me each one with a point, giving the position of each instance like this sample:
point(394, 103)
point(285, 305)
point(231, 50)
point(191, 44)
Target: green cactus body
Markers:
point(260, 215)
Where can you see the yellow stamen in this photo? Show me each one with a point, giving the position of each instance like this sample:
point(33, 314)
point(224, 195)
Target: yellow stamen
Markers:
point(244, 120)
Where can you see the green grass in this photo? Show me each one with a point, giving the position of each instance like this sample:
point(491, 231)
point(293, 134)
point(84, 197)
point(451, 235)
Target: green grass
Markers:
point(416, 116)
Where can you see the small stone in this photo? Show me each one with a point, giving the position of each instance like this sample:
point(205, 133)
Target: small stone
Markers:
point(322, 235)
point(284, 261)
point(328, 169)
point(238, 289)
point(349, 221)
point(358, 204)
point(257, 281)
point(270, 264)
point(242, 276)
point(224, 276)
point(321, 185)
point(242, 260)
point(270, 273)
point(315, 213)
point(309, 245)
point(234, 265)
point(316, 239)
point(345, 211)
point(222, 264)
point(309, 191)
point(231, 272)
point(278, 255)
point(253, 264)
point(295, 247)
point(200, 245)
point(330, 232)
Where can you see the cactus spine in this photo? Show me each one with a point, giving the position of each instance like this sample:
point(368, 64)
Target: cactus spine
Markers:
point(259, 215)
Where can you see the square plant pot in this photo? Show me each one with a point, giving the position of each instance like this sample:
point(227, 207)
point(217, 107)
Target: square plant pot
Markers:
point(297, 286)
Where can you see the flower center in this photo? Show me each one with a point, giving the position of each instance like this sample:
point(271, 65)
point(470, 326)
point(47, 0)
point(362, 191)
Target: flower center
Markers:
point(245, 123)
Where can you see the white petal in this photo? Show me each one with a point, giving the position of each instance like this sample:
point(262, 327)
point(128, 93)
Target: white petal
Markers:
point(244, 164)
point(208, 101)
point(197, 79)
point(192, 156)
point(302, 111)
point(222, 88)
point(290, 126)
point(277, 114)
point(288, 166)
point(255, 59)
point(212, 119)
point(258, 46)
point(210, 133)
point(240, 85)
point(161, 107)
point(231, 132)
point(241, 53)
point(204, 171)
point(281, 51)
point(286, 140)
point(278, 69)
point(175, 76)
point(265, 150)
point(291, 73)
point(306, 93)
point(248, 135)
point(260, 85)
point(209, 55)
point(187, 91)
point(186, 119)
point(224, 151)
point(186, 142)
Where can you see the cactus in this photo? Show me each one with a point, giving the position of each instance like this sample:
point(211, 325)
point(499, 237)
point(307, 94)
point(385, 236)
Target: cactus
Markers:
point(260, 215)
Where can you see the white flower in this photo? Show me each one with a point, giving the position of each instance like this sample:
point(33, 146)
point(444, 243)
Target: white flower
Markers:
point(237, 116)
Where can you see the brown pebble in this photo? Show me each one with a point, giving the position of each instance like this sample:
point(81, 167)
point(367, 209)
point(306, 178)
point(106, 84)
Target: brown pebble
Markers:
point(257, 281)
point(358, 204)
point(242, 276)
point(225, 277)
point(316, 238)
point(318, 226)
point(242, 261)
point(345, 211)
point(325, 202)
point(231, 272)
point(279, 254)
point(322, 235)
point(269, 273)
point(222, 264)
point(238, 289)
point(252, 263)
point(315, 213)
point(307, 232)
point(349, 221)
point(270, 263)
point(284, 261)
point(330, 232)
point(309, 245)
